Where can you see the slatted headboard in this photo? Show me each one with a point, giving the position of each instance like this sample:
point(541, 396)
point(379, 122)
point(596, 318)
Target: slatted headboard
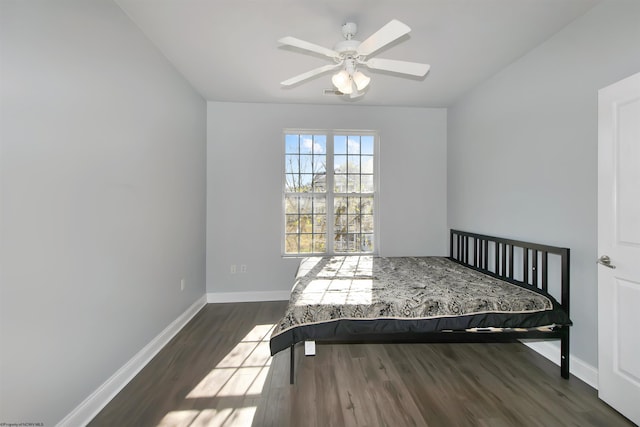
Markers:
point(523, 263)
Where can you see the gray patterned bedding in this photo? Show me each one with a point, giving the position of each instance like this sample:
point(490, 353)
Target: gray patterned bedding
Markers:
point(339, 297)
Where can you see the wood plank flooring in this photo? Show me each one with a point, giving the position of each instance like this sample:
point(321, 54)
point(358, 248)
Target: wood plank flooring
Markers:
point(217, 372)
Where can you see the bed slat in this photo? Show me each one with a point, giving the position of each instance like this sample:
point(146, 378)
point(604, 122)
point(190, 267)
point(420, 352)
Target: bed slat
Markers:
point(525, 265)
point(510, 262)
point(485, 261)
point(534, 268)
point(545, 276)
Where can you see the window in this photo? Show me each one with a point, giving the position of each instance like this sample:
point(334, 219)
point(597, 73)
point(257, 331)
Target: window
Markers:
point(329, 192)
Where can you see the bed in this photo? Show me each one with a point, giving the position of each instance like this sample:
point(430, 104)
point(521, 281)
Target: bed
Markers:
point(489, 289)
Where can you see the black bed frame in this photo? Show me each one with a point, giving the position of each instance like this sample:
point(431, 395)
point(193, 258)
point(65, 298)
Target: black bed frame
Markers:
point(522, 263)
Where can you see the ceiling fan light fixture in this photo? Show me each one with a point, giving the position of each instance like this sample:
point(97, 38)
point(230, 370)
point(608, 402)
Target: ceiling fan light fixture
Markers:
point(342, 81)
point(347, 88)
point(361, 80)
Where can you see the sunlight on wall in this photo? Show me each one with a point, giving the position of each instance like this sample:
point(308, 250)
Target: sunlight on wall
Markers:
point(229, 394)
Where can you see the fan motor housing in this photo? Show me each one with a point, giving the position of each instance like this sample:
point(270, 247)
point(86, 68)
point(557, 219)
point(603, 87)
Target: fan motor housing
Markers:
point(349, 29)
point(346, 46)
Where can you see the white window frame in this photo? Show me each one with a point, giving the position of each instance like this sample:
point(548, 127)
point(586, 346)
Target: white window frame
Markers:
point(330, 187)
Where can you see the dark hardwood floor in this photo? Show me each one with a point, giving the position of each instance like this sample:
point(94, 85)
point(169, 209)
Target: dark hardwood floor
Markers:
point(217, 371)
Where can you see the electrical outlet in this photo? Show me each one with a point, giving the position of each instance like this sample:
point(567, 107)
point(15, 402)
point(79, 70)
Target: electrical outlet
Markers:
point(182, 284)
point(243, 268)
point(233, 269)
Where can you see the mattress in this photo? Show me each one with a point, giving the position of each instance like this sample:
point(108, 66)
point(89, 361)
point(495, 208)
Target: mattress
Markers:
point(339, 297)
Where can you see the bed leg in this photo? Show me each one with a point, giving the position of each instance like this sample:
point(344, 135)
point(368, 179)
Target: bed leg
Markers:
point(564, 353)
point(292, 351)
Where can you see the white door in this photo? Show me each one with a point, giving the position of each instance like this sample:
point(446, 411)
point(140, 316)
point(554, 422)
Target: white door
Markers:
point(619, 246)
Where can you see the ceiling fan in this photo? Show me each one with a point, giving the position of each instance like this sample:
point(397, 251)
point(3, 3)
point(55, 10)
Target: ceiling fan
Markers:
point(349, 54)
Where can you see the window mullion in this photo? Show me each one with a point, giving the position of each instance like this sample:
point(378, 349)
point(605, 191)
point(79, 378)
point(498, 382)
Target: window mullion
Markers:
point(329, 193)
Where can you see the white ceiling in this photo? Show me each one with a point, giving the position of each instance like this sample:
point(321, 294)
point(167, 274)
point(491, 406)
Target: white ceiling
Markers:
point(228, 50)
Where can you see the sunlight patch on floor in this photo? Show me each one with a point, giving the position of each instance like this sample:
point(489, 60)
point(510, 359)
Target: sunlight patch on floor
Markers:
point(232, 388)
point(178, 418)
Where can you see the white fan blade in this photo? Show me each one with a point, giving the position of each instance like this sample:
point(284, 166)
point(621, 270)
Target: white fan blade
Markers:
point(404, 67)
point(385, 35)
point(309, 74)
point(292, 41)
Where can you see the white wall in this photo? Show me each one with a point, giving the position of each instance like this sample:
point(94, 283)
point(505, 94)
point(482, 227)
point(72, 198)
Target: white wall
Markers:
point(522, 149)
point(244, 185)
point(103, 201)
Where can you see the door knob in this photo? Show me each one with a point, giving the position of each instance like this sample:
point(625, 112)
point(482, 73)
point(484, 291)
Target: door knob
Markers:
point(606, 261)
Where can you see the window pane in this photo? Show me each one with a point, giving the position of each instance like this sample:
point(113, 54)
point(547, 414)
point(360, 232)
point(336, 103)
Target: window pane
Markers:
point(291, 144)
point(291, 244)
point(353, 206)
point(347, 243)
point(366, 163)
point(340, 225)
point(367, 223)
point(319, 164)
point(305, 224)
point(340, 144)
point(291, 164)
point(291, 204)
point(353, 164)
point(366, 205)
point(340, 183)
point(305, 182)
point(353, 184)
point(306, 144)
point(320, 223)
point(366, 144)
point(319, 205)
point(355, 246)
point(353, 145)
point(340, 216)
point(319, 243)
point(320, 144)
point(292, 224)
point(306, 243)
point(306, 163)
point(354, 224)
point(340, 164)
point(292, 183)
point(341, 243)
point(367, 183)
point(319, 183)
point(367, 243)
point(306, 205)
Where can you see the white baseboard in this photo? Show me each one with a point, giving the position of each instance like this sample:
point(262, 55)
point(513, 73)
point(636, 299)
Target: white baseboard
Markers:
point(577, 367)
point(93, 404)
point(221, 297)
